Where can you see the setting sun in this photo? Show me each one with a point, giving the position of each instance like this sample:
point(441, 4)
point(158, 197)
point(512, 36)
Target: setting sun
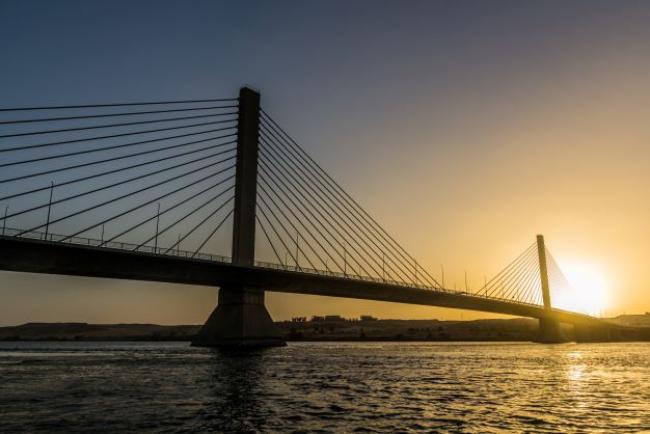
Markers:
point(587, 290)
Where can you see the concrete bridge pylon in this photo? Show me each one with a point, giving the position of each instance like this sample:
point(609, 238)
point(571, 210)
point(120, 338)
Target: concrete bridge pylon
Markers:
point(549, 327)
point(240, 318)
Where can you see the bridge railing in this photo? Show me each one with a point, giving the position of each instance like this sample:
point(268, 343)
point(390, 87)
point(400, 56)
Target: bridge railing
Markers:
point(306, 270)
point(117, 245)
point(301, 269)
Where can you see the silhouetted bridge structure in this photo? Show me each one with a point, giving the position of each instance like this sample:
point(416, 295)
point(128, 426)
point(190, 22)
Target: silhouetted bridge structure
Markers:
point(177, 191)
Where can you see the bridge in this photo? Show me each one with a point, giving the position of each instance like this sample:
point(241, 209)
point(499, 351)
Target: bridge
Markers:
point(215, 192)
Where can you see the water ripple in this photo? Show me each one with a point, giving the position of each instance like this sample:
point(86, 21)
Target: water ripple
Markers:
point(324, 387)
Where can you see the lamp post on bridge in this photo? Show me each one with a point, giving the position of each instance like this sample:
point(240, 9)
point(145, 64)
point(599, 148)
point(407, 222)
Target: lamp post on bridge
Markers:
point(297, 250)
point(49, 211)
point(4, 220)
point(240, 318)
point(155, 243)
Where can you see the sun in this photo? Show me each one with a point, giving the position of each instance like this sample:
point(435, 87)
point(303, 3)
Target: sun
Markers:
point(588, 290)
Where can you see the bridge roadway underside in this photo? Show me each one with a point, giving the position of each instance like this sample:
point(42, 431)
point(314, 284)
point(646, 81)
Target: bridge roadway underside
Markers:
point(32, 256)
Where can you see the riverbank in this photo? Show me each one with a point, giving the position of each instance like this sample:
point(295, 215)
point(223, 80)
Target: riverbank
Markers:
point(331, 328)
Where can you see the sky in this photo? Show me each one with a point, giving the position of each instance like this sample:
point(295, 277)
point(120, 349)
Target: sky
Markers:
point(464, 127)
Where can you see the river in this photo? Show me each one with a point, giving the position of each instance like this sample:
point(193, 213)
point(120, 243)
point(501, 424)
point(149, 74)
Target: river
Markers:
point(325, 387)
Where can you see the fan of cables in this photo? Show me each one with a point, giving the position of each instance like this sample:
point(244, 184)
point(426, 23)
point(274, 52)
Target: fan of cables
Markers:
point(144, 176)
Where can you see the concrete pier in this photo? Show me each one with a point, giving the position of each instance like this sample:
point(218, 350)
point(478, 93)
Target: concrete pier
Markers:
point(550, 332)
point(239, 320)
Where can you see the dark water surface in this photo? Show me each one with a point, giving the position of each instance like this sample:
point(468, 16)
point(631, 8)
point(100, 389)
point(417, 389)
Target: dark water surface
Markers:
point(326, 387)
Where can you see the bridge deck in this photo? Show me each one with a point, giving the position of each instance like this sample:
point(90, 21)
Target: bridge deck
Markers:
point(19, 254)
point(178, 252)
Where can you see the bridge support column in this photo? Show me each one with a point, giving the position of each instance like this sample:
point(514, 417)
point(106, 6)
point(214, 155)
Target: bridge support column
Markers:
point(550, 332)
point(240, 318)
point(549, 328)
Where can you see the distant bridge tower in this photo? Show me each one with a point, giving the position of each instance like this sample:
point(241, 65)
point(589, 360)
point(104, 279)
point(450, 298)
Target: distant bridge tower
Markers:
point(241, 318)
point(549, 328)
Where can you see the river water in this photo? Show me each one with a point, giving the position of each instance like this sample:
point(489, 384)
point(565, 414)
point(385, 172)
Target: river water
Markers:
point(325, 387)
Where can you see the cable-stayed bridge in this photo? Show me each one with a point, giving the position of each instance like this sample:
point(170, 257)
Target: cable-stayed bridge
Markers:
point(215, 192)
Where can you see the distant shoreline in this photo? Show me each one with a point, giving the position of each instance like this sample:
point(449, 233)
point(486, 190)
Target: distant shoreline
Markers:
point(319, 329)
point(189, 339)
